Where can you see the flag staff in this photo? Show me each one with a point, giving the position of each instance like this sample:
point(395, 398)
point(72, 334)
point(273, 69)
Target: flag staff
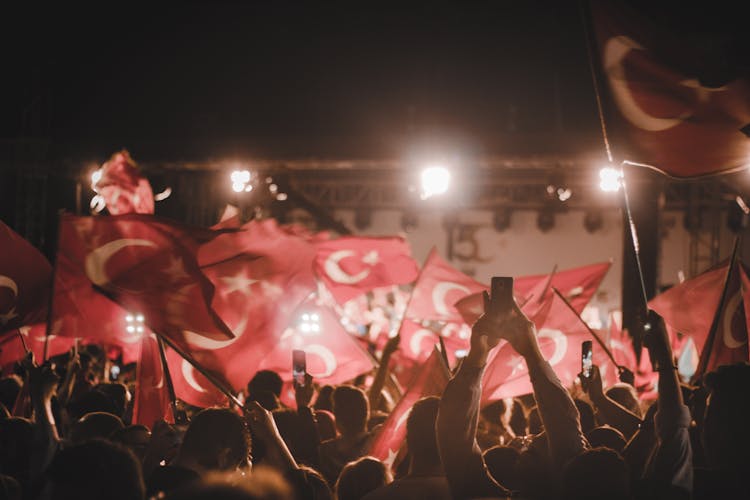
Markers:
point(168, 378)
point(51, 298)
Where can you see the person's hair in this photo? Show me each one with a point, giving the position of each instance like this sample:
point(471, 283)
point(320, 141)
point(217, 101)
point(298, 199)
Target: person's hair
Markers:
point(266, 399)
point(535, 421)
point(126, 435)
point(212, 431)
point(493, 412)
point(351, 409)
point(95, 425)
point(92, 401)
point(289, 425)
point(376, 418)
point(265, 380)
point(16, 434)
point(586, 412)
point(96, 469)
point(596, 473)
point(420, 430)
point(726, 433)
point(501, 463)
point(326, 424)
point(360, 477)
point(118, 394)
point(625, 395)
point(10, 386)
point(606, 436)
point(324, 401)
point(309, 484)
point(518, 421)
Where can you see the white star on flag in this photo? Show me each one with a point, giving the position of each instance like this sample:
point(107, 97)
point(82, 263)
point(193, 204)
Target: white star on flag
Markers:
point(371, 258)
point(391, 458)
point(516, 362)
point(239, 283)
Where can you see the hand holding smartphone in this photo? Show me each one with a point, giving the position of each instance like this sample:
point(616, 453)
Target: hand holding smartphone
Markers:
point(501, 295)
point(299, 367)
point(587, 358)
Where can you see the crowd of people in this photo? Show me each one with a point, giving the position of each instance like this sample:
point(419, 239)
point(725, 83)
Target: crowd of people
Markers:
point(76, 439)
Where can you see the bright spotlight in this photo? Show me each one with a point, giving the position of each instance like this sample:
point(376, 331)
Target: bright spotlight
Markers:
point(241, 181)
point(96, 176)
point(610, 179)
point(435, 181)
point(309, 324)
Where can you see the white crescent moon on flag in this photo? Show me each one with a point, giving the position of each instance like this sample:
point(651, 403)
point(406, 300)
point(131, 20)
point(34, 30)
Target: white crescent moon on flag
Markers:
point(189, 373)
point(561, 344)
point(439, 293)
point(729, 311)
point(6, 282)
point(97, 259)
point(334, 271)
point(615, 51)
point(415, 343)
point(402, 419)
point(325, 354)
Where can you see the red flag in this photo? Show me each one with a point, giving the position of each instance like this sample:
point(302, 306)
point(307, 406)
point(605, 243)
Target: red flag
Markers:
point(190, 385)
point(333, 356)
point(430, 381)
point(152, 400)
point(124, 189)
point(438, 288)
point(146, 265)
point(25, 279)
point(12, 347)
point(621, 345)
point(351, 266)
point(578, 285)
point(670, 119)
point(689, 308)
point(560, 334)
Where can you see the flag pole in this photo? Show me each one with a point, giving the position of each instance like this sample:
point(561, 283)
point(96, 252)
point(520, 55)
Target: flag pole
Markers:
point(50, 299)
point(167, 377)
point(708, 346)
point(211, 378)
point(588, 328)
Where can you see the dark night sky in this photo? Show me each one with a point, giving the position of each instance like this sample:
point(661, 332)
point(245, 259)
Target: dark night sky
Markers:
point(277, 79)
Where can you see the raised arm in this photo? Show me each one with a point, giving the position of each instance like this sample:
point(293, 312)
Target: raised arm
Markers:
point(608, 410)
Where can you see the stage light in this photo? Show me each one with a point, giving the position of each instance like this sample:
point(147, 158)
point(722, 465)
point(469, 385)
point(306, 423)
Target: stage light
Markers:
point(309, 324)
point(134, 323)
point(610, 179)
point(96, 176)
point(435, 181)
point(241, 181)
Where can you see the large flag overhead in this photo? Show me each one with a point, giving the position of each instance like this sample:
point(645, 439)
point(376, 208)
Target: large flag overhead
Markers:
point(146, 265)
point(350, 266)
point(13, 345)
point(431, 380)
point(669, 118)
point(25, 281)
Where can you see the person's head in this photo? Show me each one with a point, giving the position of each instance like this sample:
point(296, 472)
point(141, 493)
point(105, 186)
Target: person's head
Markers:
point(586, 411)
point(606, 436)
point(625, 395)
point(289, 425)
point(518, 422)
point(264, 380)
point(351, 409)
point(15, 447)
point(726, 433)
point(376, 418)
point(324, 400)
point(95, 425)
point(501, 463)
point(119, 395)
point(263, 483)
point(420, 431)
point(10, 386)
point(596, 473)
point(135, 437)
point(216, 439)
point(326, 424)
point(92, 401)
point(491, 417)
point(360, 477)
point(309, 484)
point(96, 469)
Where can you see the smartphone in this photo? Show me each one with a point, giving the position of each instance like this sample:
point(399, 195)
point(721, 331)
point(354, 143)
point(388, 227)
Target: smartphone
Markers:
point(114, 372)
point(501, 294)
point(587, 360)
point(299, 366)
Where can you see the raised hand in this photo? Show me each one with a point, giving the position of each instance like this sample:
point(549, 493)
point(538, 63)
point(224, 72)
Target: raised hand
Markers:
point(303, 394)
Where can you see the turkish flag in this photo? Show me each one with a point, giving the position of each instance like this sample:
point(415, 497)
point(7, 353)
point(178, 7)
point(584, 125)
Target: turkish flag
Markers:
point(146, 265)
point(431, 380)
point(350, 266)
point(669, 119)
point(152, 400)
point(190, 385)
point(438, 288)
point(689, 308)
point(418, 339)
point(560, 333)
point(25, 281)
point(621, 345)
point(578, 285)
point(12, 347)
point(124, 189)
point(333, 355)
